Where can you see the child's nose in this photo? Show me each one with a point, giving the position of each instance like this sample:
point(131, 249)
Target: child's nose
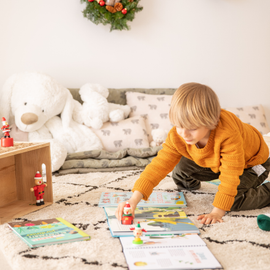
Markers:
point(185, 133)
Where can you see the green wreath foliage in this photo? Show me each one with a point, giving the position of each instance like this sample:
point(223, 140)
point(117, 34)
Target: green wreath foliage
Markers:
point(118, 21)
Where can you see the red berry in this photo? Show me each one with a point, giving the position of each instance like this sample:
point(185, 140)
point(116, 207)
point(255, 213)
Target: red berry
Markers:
point(124, 11)
point(102, 3)
point(91, 0)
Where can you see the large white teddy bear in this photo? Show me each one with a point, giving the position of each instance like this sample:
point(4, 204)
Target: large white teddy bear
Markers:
point(34, 101)
point(96, 109)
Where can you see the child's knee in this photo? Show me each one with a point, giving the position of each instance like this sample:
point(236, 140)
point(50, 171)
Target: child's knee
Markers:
point(189, 185)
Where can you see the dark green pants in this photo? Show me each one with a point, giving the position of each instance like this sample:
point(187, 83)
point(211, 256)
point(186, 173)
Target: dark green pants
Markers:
point(250, 193)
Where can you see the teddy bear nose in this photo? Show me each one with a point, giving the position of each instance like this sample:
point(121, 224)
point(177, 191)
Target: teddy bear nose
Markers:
point(29, 118)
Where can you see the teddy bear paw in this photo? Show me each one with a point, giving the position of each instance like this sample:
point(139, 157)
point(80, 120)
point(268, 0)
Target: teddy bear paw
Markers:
point(153, 144)
point(95, 123)
point(116, 115)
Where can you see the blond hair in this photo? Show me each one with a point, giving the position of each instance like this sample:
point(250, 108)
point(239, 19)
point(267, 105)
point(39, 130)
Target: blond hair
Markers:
point(194, 105)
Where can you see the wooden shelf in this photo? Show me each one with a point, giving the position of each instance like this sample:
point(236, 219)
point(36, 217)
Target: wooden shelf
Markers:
point(18, 166)
point(18, 209)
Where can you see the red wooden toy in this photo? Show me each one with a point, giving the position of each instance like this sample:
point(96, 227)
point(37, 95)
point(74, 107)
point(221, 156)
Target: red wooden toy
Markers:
point(39, 189)
point(127, 218)
point(6, 141)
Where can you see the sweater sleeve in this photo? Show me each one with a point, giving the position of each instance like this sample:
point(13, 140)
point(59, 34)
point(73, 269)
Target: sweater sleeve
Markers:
point(160, 166)
point(232, 164)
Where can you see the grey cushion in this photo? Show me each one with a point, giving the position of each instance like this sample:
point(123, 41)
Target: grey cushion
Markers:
point(118, 96)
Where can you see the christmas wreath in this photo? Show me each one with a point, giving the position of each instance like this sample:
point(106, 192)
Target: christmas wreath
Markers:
point(117, 13)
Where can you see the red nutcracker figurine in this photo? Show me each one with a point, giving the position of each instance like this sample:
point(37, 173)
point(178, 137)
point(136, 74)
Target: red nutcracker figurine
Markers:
point(127, 218)
point(39, 189)
point(137, 233)
point(6, 141)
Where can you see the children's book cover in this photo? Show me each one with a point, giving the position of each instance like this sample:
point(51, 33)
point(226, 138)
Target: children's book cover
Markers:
point(185, 251)
point(111, 199)
point(154, 221)
point(47, 232)
point(151, 212)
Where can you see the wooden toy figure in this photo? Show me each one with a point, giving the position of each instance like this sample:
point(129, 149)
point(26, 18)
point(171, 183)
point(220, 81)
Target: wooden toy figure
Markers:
point(6, 141)
point(137, 233)
point(127, 218)
point(39, 189)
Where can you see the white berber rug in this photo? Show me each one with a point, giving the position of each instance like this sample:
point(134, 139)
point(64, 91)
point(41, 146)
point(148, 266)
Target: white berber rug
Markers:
point(237, 243)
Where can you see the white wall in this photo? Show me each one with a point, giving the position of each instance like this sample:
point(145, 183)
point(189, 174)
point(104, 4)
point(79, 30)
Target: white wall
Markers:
point(222, 43)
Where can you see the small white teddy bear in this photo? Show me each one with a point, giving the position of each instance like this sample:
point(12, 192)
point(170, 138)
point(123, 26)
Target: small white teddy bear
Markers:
point(96, 110)
point(159, 136)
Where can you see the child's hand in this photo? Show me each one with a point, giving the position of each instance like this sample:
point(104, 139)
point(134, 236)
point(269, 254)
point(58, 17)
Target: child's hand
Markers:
point(120, 209)
point(214, 217)
point(133, 201)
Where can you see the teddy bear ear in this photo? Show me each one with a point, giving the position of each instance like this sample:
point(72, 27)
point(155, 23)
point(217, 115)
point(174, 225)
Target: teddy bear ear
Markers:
point(5, 98)
point(88, 88)
point(66, 114)
point(153, 132)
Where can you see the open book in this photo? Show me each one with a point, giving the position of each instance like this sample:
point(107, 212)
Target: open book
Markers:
point(155, 220)
point(175, 252)
point(156, 199)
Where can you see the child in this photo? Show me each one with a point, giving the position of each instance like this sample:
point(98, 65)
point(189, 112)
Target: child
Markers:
point(207, 143)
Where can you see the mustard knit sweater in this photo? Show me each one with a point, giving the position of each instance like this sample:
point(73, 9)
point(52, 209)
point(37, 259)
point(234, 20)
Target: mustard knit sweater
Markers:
point(232, 147)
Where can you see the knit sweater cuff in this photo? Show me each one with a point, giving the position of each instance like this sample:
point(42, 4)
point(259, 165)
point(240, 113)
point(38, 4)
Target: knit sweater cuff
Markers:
point(143, 186)
point(223, 201)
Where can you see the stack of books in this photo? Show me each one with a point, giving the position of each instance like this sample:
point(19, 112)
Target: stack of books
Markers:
point(171, 240)
point(161, 214)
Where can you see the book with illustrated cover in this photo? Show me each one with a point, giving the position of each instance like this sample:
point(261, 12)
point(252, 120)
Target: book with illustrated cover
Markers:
point(157, 199)
point(47, 232)
point(155, 220)
point(151, 212)
point(169, 252)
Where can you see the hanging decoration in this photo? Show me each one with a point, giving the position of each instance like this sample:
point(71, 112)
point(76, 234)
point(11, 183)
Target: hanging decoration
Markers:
point(117, 13)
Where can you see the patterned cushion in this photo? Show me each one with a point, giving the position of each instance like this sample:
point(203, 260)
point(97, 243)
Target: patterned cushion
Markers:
point(128, 133)
point(153, 108)
point(267, 140)
point(253, 115)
